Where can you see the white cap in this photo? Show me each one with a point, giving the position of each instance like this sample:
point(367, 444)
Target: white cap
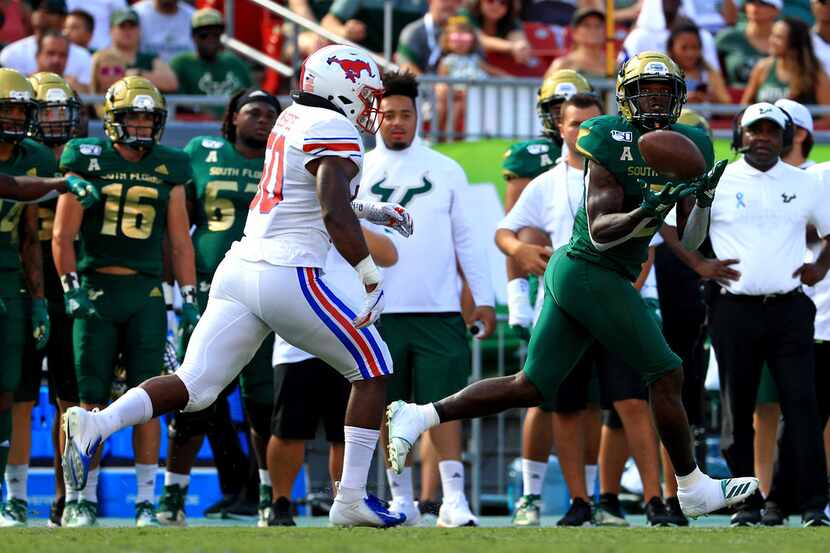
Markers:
point(779, 4)
point(763, 110)
point(801, 116)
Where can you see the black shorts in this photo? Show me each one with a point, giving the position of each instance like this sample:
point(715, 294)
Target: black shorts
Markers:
point(306, 394)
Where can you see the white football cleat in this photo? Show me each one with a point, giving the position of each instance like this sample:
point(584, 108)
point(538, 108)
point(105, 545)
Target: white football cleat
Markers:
point(712, 495)
point(454, 514)
point(369, 511)
point(404, 424)
point(82, 440)
point(408, 508)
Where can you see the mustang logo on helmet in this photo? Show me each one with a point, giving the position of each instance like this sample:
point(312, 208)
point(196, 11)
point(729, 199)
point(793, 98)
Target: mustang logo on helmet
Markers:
point(352, 68)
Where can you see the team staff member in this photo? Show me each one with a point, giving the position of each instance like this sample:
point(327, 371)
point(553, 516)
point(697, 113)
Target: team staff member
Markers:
point(798, 153)
point(422, 323)
point(226, 171)
point(58, 117)
point(117, 303)
point(760, 213)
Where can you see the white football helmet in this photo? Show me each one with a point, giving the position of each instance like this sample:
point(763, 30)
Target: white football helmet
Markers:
point(349, 78)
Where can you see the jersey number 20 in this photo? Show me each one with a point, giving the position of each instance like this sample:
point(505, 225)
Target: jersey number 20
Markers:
point(276, 149)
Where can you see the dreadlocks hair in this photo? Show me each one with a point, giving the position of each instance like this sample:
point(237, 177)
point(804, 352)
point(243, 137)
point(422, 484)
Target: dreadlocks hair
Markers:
point(400, 83)
point(228, 126)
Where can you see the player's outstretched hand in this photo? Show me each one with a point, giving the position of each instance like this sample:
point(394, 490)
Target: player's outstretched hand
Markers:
point(706, 184)
point(385, 214)
point(83, 191)
point(657, 204)
point(373, 306)
point(78, 305)
point(40, 322)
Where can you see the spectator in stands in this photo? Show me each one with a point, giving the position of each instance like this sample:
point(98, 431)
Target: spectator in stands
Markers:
point(168, 21)
point(791, 70)
point(500, 31)
point(821, 32)
point(740, 48)
point(419, 48)
point(101, 12)
point(703, 82)
point(798, 154)
point(556, 12)
point(52, 53)
point(20, 55)
point(108, 66)
point(587, 54)
point(361, 21)
point(651, 32)
point(309, 41)
point(17, 24)
point(210, 70)
point(79, 28)
point(706, 14)
point(126, 34)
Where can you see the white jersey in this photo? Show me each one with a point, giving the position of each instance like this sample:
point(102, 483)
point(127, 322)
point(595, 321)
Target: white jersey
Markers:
point(820, 293)
point(432, 187)
point(285, 224)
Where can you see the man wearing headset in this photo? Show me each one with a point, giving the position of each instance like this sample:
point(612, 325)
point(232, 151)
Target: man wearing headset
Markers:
point(759, 312)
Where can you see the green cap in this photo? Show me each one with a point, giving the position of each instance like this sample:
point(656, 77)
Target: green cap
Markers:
point(206, 17)
point(123, 16)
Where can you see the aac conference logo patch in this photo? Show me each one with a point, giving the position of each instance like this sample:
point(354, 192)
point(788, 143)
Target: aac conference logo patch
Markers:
point(622, 136)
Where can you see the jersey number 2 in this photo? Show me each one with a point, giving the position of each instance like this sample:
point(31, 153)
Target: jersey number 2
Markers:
point(276, 146)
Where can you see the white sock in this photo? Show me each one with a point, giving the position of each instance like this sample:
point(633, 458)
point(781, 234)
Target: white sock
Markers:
point(17, 477)
point(357, 459)
point(173, 478)
point(429, 415)
point(401, 484)
point(131, 409)
point(533, 476)
point(264, 478)
point(691, 480)
point(591, 479)
point(452, 480)
point(145, 477)
point(90, 492)
point(71, 495)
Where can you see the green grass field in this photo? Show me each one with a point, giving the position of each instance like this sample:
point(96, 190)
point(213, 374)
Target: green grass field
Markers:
point(482, 160)
point(415, 540)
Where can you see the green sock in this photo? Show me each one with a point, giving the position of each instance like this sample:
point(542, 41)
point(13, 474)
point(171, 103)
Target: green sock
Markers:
point(5, 439)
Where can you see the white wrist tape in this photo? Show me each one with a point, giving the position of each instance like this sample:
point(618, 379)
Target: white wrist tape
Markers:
point(189, 294)
point(360, 208)
point(70, 281)
point(368, 271)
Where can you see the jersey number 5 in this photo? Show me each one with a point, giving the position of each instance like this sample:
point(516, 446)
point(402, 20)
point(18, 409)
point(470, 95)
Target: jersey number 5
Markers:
point(275, 156)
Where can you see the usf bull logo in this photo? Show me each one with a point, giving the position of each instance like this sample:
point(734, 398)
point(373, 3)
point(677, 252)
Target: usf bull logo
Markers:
point(352, 68)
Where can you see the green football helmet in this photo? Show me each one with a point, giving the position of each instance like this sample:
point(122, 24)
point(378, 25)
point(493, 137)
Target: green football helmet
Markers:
point(17, 107)
point(693, 119)
point(649, 67)
point(556, 88)
point(134, 95)
point(58, 110)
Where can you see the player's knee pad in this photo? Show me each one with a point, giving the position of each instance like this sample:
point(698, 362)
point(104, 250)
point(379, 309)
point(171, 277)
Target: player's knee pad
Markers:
point(184, 426)
point(200, 399)
point(259, 417)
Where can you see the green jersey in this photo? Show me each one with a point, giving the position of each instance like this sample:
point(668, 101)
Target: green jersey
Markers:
point(528, 160)
point(32, 159)
point(611, 141)
point(224, 184)
point(222, 77)
point(126, 228)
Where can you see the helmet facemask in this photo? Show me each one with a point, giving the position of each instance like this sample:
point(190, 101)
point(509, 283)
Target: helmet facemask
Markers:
point(653, 110)
point(16, 117)
point(549, 113)
point(56, 122)
point(139, 137)
point(371, 117)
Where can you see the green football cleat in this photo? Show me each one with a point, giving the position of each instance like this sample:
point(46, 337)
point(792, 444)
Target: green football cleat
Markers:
point(171, 506)
point(527, 511)
point(264, 507)
point(84, 514)
point(145, 515)
point(14, 514)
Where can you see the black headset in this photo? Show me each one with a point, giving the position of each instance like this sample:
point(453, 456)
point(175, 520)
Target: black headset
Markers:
point(737, 131)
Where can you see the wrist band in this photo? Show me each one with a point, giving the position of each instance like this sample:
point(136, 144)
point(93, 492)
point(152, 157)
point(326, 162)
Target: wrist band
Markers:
point(70, 281)
point(167, 291)
point(368, 271)
point(189, 294)
point(360, 209)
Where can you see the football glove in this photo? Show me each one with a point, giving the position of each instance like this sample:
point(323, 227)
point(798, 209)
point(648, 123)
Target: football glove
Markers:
point(40, 322)
point(706, 184)
point(78, 305)
point(190, 313)
point(519, 309)
point(657, 204)
point(385, 214)
point(170, 361)
point(83, 191)
point(374, 301)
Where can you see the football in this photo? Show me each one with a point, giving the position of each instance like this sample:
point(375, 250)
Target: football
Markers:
point(672, 154)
